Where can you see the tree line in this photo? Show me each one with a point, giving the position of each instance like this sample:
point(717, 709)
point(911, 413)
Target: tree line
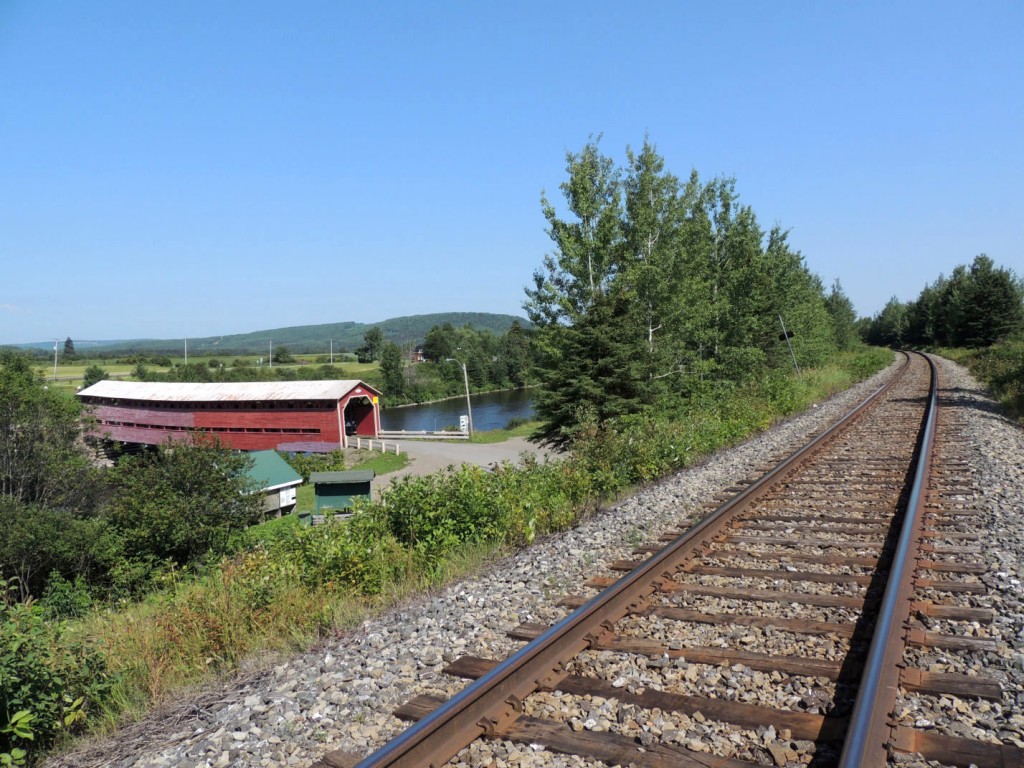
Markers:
point(659, 289)
point(491, 362)
point(975, 307)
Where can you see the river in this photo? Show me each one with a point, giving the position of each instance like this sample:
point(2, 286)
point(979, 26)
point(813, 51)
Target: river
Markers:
point(491, 410)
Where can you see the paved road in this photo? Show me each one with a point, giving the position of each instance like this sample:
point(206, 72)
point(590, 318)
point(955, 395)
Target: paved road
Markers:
point(427, 456)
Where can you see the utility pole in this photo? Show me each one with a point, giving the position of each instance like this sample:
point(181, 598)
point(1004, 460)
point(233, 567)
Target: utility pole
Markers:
point(186, 351)
point(332, 351)
point(465, 380)
point(786, 334)
point(271, 353)
point(55, 359)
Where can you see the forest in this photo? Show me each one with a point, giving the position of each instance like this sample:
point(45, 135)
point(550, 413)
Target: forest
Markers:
point(660, 291)
point(975, 316)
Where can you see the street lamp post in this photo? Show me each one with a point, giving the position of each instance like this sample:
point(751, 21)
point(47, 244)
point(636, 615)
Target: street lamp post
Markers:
point(465, 380)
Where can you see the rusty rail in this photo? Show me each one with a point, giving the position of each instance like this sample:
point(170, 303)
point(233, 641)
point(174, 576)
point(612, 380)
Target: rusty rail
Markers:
point(495, 700)
point(870, 733)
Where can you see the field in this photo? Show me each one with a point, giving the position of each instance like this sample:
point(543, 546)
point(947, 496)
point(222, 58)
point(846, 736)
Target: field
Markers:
point(70, 374)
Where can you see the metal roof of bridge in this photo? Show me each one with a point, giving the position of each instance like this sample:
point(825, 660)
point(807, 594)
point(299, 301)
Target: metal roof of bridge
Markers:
point(227, 391)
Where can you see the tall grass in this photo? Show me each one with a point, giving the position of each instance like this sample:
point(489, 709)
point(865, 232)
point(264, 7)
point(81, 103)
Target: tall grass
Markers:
point(1001, 368)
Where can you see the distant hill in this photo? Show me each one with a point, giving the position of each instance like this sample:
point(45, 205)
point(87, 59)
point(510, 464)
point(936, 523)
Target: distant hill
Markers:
point(306, 338)
point(80, 346)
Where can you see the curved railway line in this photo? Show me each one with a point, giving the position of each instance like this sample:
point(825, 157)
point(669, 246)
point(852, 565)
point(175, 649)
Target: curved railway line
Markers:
point(855, 555)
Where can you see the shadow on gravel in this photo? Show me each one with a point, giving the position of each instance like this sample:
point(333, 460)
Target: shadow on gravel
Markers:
point(976, 400)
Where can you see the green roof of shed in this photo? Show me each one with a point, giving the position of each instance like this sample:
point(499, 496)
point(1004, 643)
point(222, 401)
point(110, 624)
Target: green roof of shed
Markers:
point(350, 476)
point(269, 470)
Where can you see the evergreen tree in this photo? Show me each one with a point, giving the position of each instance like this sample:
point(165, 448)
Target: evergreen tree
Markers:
point(890, 326)
point(69, 347)
point(974, 307)
point(373, 343)
point(391, 369)
point(843, 316)
point(596, 376)
point(927, 317)
point(439, 343)
point(990, 304)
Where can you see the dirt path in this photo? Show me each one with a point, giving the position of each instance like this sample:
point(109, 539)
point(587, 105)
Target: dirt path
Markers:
point(426, 456)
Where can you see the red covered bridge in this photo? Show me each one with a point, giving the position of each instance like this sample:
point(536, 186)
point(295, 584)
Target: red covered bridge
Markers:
point(249, 416)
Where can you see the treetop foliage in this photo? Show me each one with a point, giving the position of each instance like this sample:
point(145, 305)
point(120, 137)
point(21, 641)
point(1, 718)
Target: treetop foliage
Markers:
point(178, 503)
point(373, 344)
point(491, 361)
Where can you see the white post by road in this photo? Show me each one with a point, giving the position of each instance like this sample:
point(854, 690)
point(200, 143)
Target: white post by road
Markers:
point(465, 380)
point(469, 406)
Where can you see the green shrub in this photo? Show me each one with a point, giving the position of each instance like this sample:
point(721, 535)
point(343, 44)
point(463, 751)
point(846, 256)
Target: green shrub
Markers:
point(1001, 368)
point(357, 554)
point(433, 514)
point(63, 599)
point(307, 463)
point(49, 684)
point(180, 503)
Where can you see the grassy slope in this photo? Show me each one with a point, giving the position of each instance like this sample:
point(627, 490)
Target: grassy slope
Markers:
point(201, 626)
point(501, 435)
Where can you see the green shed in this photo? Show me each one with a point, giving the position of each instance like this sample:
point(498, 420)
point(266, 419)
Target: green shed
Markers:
point(337, 490)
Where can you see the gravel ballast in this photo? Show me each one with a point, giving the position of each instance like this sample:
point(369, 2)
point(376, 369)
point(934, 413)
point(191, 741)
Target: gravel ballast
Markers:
point(341, 696)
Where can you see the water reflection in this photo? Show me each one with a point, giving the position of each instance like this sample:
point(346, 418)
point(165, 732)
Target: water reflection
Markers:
point(491, 410)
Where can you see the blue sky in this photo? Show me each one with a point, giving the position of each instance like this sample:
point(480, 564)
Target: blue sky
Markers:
point(197, 168)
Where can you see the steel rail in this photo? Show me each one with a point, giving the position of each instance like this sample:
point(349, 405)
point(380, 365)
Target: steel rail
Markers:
point(494, 700)
point(869, 733)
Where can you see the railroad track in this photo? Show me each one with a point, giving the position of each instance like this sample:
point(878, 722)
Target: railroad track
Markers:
point(785, 627)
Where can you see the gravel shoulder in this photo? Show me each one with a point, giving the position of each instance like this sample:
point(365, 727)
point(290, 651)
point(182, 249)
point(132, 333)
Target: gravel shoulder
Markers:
point(994, 487)
point(341, 694)
point(426, 456)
